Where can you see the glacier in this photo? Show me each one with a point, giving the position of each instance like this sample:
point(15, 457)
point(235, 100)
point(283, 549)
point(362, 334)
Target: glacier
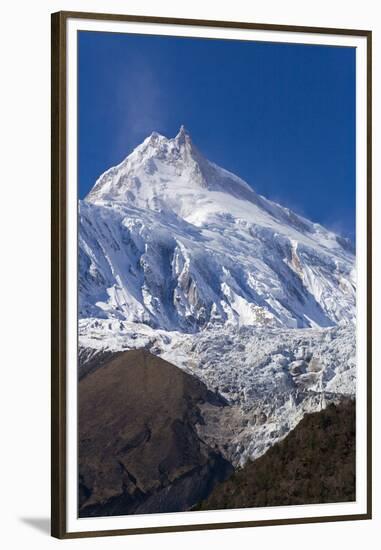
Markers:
point(270, 377)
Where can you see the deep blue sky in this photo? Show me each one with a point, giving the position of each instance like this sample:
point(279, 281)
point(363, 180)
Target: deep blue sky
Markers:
point(280, 116)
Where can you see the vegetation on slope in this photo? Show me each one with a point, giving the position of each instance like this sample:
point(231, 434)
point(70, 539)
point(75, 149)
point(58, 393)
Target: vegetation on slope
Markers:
point(315, 463)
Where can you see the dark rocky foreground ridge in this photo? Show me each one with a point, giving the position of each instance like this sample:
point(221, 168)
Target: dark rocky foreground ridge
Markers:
point(315, 463)
point(139, 451)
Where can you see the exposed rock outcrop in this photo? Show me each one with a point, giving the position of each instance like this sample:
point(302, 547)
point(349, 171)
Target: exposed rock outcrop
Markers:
point(139, 451)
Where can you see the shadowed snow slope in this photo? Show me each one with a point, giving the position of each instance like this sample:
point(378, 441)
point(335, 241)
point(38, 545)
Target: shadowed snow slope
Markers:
point(171, 240)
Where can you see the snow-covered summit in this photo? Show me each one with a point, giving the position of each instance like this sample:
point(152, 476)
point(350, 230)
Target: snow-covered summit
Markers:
point(161, 167)
point(170, 239)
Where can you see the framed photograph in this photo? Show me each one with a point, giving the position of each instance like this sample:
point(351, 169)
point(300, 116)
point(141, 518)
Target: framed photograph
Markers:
point(211, 274)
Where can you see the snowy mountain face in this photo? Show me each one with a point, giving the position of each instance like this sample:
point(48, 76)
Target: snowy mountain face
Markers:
point(170, 240)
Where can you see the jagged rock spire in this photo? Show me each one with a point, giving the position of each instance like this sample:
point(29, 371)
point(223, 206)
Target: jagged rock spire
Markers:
point(183, 135)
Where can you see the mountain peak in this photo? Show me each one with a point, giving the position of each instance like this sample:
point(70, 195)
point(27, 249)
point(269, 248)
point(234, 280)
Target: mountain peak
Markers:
point(168, 218)
point(153, 139)
point(182, 135)
point(155, 135)
point(165, 170)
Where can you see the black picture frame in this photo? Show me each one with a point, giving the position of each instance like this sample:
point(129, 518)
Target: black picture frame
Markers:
point(59, 246)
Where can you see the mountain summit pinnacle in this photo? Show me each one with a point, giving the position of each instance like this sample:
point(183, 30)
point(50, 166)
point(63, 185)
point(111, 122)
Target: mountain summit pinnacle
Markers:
point(183, 135)
point(161, 170)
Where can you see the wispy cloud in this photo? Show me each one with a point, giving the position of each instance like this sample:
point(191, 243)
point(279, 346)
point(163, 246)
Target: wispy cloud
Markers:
point(141, 103)
point(343, 228)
